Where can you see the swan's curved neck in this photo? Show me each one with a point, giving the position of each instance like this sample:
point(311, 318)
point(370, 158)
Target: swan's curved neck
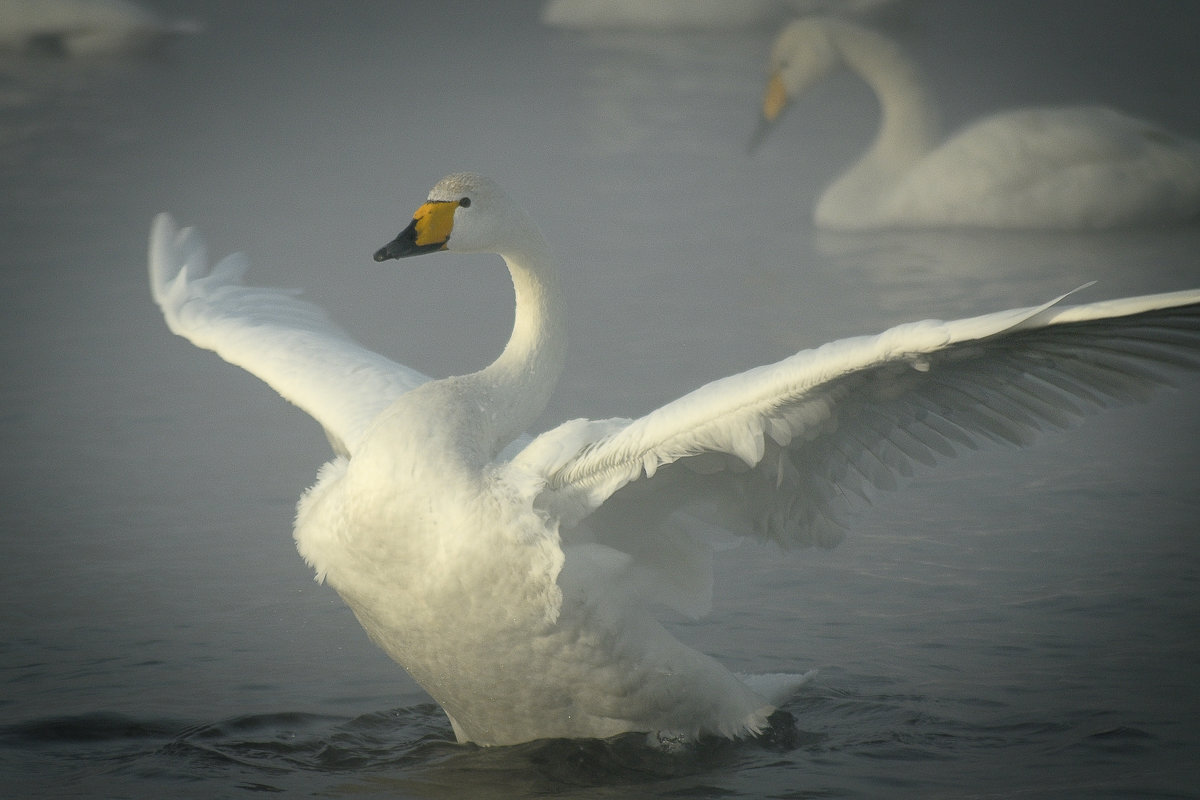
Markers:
point(909, 127)
point(514, 389)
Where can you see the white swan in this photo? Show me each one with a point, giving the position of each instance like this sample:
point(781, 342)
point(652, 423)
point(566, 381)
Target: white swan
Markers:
point(1053, 168)
point(511, 577)
point(85, 27)
point(692, 15)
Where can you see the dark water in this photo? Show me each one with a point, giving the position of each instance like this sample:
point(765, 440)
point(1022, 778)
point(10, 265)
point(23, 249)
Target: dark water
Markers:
point(839, 744)
point(1014, 624)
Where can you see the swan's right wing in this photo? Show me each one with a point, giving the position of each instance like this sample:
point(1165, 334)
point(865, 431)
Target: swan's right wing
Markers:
point(777, 451)
point(287, 342)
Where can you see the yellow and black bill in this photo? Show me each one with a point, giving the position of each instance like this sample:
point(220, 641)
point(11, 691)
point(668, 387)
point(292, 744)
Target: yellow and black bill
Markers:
point(427, 233)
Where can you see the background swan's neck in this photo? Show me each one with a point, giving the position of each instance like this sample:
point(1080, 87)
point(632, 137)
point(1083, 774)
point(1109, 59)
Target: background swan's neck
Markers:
point(909, 127)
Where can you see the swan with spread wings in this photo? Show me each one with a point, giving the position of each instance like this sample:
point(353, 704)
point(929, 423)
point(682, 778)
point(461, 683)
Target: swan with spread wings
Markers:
point(511, 576)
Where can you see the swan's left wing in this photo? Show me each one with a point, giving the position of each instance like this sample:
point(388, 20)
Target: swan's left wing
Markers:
point(287, 342)
point(777, 451)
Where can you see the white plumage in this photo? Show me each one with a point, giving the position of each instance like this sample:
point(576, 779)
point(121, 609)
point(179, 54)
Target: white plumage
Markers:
point(514, 588)
point(690, 15)
point(1070, 168)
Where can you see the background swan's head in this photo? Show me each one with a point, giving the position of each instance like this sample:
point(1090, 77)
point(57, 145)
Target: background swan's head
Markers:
point(465, 213)
point(803, 53)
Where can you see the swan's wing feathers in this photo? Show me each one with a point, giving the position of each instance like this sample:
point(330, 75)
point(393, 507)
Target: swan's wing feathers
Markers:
point(783, 451)
point(289, 343)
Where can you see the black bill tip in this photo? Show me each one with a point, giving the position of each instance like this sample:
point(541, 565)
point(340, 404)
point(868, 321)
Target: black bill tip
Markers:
point(759, 134)
point(405, 245)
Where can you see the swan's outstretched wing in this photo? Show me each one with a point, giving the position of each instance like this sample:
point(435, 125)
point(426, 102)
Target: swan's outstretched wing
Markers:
point(287, 342)
point(776, 451)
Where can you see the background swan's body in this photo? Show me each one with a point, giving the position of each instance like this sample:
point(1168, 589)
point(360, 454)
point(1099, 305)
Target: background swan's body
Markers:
point(1078, 168)
point(85, 27)
point(515, 589)
point(676, 15)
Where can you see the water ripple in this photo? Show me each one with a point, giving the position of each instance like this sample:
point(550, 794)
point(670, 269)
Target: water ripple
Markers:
point(876, 739)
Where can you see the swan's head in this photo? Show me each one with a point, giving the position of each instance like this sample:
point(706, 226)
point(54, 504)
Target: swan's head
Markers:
point(465, 213)
point(803, 53)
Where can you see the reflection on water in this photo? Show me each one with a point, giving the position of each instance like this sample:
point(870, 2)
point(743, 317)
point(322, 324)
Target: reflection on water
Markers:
point(1000, 269)
point(1019, 620)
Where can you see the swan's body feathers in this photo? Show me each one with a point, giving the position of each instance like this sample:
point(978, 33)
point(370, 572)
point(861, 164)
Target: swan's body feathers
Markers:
point(513, 577)
point(289, 343)
point(1097, 167)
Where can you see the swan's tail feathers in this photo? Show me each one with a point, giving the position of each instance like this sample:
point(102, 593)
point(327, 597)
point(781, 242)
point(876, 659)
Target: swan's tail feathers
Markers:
point(775, 689)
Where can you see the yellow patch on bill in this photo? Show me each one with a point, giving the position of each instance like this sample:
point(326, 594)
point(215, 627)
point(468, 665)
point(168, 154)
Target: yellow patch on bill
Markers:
point(775, 98)
point(434, 221)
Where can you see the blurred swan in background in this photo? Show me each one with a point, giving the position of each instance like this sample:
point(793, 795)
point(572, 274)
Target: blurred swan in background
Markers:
point(84, 27)
point(1081, 168)
point(513, 577)
point(696, 15)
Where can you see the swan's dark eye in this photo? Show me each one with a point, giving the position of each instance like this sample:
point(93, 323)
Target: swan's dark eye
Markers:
point(464, 203)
